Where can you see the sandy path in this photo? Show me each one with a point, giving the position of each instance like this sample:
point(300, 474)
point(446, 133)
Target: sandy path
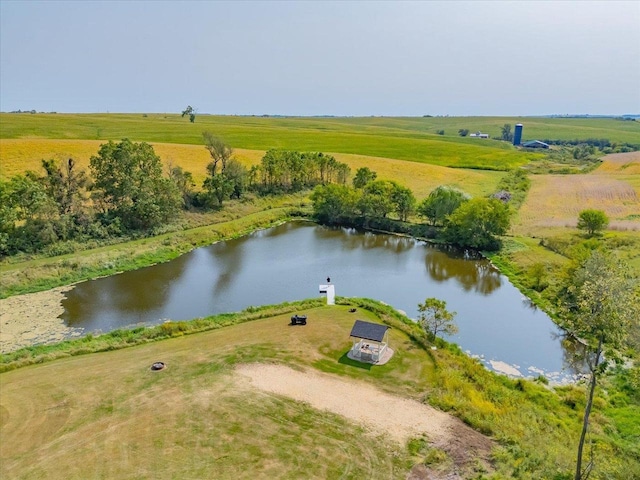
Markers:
point(32, 319)
point(398, 418)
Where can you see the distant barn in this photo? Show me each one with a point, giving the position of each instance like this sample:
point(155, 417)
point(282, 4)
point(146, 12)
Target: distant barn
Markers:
point(479, 135)
point(535, 144)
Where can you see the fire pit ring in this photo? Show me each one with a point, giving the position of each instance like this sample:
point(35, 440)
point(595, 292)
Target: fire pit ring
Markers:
point(157, 366)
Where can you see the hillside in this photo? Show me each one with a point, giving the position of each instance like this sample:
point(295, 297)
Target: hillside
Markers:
point(214, 413)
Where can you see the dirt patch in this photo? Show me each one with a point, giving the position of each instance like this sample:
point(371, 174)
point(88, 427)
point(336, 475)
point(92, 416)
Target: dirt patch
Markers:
point(32, 319)
point(400, 419)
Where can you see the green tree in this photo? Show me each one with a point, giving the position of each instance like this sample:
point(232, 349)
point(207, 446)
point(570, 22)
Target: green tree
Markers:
point(505, 132)
point(602, 308)
point(238, 175)
point(435, 318)
point(537, 274)
point(333, 203)
point(363, 176)
point(8, 217)
point(129, 185)
point(65, 184)
point(403, 200)
point(217, 187)
point(183, 181)
point(441, 203)
point(191, 112)
point(376, 200)
point(27, 215)
point(593, 221)
point(476, 224)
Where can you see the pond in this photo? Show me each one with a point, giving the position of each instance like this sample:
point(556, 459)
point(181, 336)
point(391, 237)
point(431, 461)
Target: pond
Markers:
point(286, 263)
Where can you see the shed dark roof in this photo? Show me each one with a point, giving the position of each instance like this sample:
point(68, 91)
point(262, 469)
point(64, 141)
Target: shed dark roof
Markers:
point(368, 331)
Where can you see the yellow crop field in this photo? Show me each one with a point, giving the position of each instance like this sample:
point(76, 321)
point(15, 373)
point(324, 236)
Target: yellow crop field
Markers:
point(421, 178)
point(621, 163)
point(20, 155)
point(556, 201)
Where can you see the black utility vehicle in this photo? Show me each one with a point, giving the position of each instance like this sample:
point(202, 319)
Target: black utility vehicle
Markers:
point(299, 320)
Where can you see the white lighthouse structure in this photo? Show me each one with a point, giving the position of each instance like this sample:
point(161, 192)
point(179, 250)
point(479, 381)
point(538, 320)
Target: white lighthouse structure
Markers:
point(330, 291)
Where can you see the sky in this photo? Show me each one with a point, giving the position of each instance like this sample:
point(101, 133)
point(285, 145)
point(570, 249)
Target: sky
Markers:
point(321, 57)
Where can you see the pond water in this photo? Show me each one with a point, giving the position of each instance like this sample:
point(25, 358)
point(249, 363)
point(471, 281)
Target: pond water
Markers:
point(286, 263)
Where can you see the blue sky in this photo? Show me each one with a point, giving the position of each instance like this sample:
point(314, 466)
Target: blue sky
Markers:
point(321, 58)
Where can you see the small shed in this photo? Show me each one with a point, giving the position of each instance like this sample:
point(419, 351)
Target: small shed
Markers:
point(369, 341)
point(535, 144)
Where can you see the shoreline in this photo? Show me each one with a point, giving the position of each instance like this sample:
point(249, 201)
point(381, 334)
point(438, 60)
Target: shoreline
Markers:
point(34, 319)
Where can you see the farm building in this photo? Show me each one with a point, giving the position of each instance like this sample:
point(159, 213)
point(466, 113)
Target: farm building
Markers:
point(535, 144)
point(479, 135)
point(517, 134)
point(369, 342)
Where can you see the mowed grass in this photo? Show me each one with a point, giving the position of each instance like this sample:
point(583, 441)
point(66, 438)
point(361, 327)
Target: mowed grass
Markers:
point(109, 416)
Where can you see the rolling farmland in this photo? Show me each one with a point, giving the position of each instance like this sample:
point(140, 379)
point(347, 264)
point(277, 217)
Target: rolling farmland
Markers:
point(556, 200)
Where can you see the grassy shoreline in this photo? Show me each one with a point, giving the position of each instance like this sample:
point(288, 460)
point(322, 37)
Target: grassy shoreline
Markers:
point(43, 273)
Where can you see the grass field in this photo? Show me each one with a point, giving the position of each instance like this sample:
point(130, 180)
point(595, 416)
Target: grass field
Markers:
point(239, 130)
point(356, 136)
point(112, 417)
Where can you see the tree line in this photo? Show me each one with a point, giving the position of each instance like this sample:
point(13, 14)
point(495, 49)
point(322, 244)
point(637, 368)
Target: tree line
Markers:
point(128, 192)
point(370, 202)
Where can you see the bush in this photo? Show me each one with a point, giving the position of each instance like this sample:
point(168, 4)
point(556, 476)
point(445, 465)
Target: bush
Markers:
point(593, 221)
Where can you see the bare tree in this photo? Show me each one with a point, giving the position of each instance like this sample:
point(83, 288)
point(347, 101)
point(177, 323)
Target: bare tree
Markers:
point(220, 152)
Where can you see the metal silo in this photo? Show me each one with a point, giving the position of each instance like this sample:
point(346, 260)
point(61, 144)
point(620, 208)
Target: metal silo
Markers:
point(517, 134)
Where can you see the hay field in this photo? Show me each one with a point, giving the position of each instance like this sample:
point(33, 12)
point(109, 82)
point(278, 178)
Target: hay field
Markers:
point(556, 200)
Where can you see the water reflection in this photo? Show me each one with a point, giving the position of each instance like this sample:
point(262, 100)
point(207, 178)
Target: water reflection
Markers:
point(139, 293)
point(288, 263)
point(478, 276)
point(354, 239)
point(226, 259)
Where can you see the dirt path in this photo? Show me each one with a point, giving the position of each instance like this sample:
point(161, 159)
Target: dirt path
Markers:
point(399, 418)
point(33, 319)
